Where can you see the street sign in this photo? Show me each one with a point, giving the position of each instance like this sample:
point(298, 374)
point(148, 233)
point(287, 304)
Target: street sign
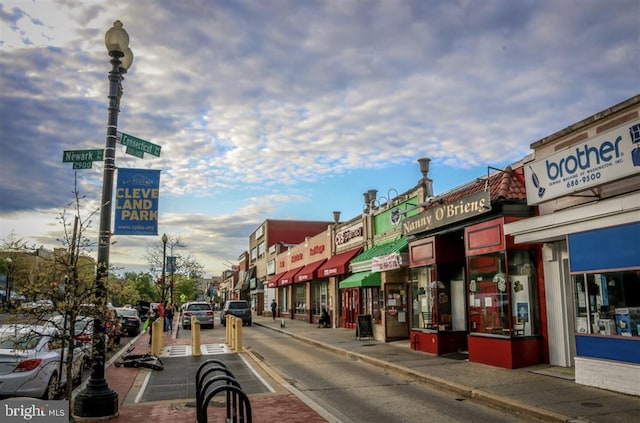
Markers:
point(138, 144)
point(73, 156)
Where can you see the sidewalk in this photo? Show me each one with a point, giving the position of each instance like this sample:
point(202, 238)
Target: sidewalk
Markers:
point(554, 398)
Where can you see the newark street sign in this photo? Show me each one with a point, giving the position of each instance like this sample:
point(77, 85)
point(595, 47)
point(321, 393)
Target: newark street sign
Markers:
point(82, 159)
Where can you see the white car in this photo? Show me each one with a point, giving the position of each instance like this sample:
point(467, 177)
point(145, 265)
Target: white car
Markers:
point(82, 331)
point(29, 361)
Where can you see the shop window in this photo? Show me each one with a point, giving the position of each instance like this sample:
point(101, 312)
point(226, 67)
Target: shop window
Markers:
point(319, 297)
point(438, 298)
point(503, 295)
point(607, 304)
point(300, 298)
point(370, 303)
point(284, 299)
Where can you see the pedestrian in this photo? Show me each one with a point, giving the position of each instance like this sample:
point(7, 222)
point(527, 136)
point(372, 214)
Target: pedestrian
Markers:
point(274, 307)
point(168, 318)
point(153, 315)
point(325, 320)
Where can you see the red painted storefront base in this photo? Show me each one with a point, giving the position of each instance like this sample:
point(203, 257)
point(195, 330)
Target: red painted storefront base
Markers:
point(438, 343)
point(504, 352)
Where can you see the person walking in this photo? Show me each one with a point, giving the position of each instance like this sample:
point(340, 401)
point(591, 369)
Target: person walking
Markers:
point(274, 307)
point(168, 318)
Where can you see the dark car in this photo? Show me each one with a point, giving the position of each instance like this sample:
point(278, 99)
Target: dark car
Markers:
point(238, 308)
point(130, 320)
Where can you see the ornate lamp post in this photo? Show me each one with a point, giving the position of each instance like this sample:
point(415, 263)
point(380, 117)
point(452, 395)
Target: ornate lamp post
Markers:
point(97, 399)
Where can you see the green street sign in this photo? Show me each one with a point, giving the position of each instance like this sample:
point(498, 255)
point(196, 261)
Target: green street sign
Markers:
point(138, 144)
point(73, 156)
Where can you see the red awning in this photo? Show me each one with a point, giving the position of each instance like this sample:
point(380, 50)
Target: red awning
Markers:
point(337, 265)
point(273, 282)
point(287, 278)
point(309, 271)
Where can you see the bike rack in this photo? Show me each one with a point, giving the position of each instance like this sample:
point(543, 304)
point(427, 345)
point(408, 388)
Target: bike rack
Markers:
point(238, 406)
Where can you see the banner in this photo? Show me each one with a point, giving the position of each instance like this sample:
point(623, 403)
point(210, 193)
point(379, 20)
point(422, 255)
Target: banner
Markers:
point(137, 202)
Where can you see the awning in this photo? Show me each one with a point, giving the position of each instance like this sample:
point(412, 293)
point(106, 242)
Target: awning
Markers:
point(337, 265)
point(309, 272)
point(396, 246)
point(287, 278)
point(360, 280)
point(273, 282)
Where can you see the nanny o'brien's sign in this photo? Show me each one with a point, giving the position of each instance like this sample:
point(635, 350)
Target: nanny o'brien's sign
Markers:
point(448, 213)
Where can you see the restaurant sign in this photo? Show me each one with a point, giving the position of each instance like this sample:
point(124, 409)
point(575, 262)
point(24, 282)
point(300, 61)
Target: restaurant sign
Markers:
point(445, 214)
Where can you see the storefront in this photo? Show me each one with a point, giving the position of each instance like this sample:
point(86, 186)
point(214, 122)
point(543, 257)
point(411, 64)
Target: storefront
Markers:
point(379, 288)
point(316, 291)
point(472, 290)
point(590, 230)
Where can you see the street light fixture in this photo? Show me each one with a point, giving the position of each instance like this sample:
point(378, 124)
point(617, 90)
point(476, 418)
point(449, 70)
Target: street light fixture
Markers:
point(97, 399)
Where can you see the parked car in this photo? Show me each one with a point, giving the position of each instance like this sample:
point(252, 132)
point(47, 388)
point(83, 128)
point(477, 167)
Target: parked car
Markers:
point(30, 357)
point(130, 320)
point(200, 309)
point(238, 308)
point(82, 332)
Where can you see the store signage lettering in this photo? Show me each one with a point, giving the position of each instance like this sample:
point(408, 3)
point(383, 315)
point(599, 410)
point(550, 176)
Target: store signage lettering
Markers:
point(384, 263)
point(445, 214)
point(349, 234)
point(318, 249)
point(605, 158)
point(296, 257)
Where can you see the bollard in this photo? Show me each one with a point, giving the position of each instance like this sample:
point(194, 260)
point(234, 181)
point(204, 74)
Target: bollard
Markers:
point(227, 332)
point(238, 335)
point(195, 337)
point(157, 336)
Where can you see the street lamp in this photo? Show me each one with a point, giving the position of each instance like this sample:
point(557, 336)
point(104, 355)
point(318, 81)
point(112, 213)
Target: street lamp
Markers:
point(164, 264)
point(7, 293)
point(427, 184)
point(97, 399)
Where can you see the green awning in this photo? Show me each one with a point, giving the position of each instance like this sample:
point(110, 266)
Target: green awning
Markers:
point(400, 245)
point(361, 279)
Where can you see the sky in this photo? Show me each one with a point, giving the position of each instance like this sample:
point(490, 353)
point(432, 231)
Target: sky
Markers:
point(290, 109)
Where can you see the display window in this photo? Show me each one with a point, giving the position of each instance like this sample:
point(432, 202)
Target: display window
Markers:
point(283, 298)
point(370, 303)
point(438, 301)
point(607, 304)
point(503, 294)
point(300, 298)
point(319, 297)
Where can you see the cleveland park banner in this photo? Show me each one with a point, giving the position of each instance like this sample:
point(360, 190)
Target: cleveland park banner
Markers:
point(137, 202)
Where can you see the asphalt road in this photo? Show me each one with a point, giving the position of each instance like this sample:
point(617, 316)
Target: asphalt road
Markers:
point(354, 391)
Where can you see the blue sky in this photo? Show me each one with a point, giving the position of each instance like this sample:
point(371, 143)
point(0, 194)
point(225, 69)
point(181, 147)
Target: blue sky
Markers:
point(292, 109)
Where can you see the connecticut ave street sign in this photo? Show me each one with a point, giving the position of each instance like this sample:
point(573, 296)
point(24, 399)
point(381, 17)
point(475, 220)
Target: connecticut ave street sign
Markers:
point(136, 146)
point(82, 159)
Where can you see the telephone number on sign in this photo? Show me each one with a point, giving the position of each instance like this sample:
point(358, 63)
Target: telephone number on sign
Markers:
point(583, 180)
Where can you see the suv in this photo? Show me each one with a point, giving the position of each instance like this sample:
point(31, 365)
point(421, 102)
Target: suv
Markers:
point(200, 309)
point(238, 308)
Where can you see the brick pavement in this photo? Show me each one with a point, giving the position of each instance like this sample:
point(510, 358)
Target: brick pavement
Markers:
point(280, 406)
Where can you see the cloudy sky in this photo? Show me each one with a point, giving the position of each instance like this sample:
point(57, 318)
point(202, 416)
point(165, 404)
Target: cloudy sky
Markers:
point(290, 109)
